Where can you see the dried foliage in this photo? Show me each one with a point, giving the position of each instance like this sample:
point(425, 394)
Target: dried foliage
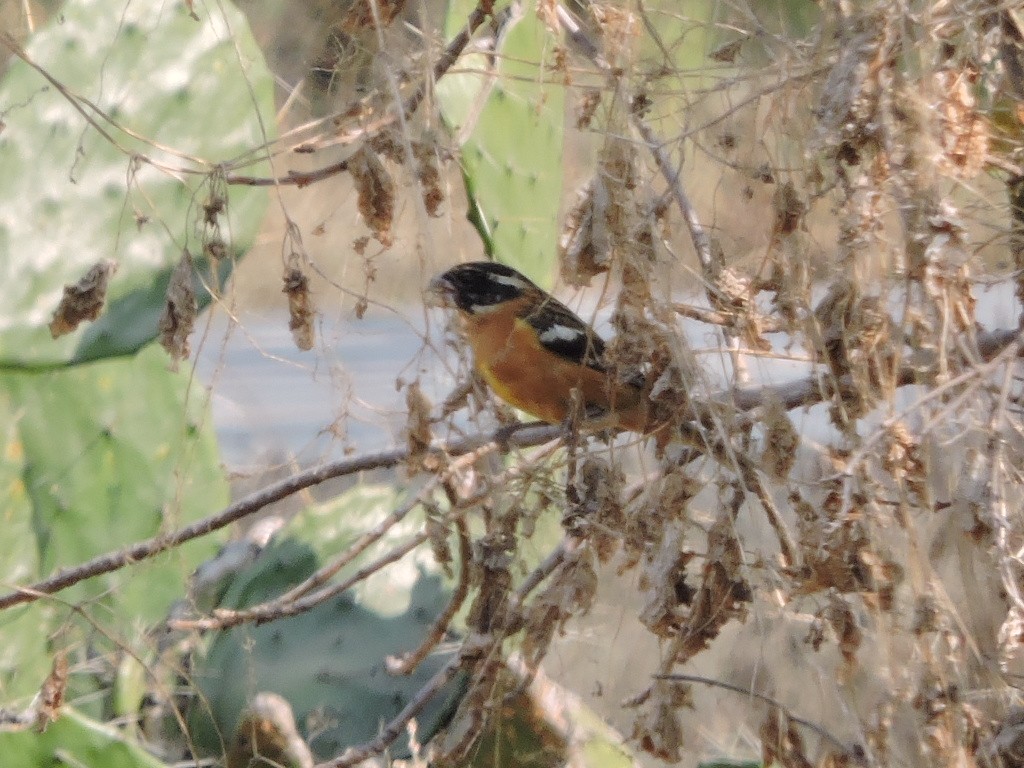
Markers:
point(179, 315)
point(301, 313)
point(83, 300)
point(844, 543)
point(376, 191)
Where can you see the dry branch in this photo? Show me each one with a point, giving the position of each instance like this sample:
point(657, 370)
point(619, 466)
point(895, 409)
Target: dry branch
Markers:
point(796, 394)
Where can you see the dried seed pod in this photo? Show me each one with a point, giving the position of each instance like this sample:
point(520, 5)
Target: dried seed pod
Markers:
point(417, 425)
point(83, 300)
point(51, 694)
point(179, 315)
point(300, 306)
point(429, 176)
point(570, 592)
point(657, 729)
point(376, 191)
point(584, 247)
point(364, 14)
point(268, 735)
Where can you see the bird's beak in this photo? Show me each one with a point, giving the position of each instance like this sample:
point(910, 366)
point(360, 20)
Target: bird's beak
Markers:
point(440, 293)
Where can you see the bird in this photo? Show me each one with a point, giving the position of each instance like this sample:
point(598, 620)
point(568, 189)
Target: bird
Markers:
point(534, 352)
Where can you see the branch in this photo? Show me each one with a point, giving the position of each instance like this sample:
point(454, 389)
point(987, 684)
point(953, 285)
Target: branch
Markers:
point(407, 663)
point(444, 63)
point(254, 502)
point(795, 394)
point(390, 732)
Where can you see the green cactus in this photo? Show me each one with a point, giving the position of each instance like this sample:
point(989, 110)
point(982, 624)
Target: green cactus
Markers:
point(328, 663)
point(512, 157)
point(96, 457)
point(74, 739)
point(69, 197)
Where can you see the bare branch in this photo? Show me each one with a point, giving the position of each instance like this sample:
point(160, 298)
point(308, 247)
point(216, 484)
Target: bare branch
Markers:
point(795, 394)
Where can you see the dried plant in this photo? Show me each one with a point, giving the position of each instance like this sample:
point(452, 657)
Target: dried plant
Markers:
point(853, 530)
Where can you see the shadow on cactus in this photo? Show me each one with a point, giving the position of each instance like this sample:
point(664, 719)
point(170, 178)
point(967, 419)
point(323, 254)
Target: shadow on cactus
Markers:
point(328, 663)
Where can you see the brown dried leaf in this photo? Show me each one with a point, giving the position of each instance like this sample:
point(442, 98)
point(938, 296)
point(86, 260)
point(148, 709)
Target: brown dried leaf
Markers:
point(547, 12)
point(586, 106)
point(666, 503)
point(429, 175)
point(847, 631)
point(721, 595)
point(418, 434)
point(584, 247)
point(376, 191)
point(781, 742)
point(179, 313)
point(789, 210)
point(300, 306)
point(361, 14)
point(727, 52)
point(657, 729)
point(391, 144)
point(595, 504)
point(267, 735)
point(781, 441)
point(83, 300)
point(437, 536)
point(853, 333)
point(902, 458)
point(51, 694)
point(964, 135)
point(570, 592)
point(666, 594)
point(848, 111)
point(491, 574)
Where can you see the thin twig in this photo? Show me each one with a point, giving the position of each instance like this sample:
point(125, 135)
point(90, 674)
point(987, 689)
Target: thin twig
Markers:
point(715, 317)
point(392, 730)
point(407, 663)
point(698, 235)
point(274, 609)
point(855, 753)
point(755, 483)
point(444, 63)
point(794, 394)
point(254, 502)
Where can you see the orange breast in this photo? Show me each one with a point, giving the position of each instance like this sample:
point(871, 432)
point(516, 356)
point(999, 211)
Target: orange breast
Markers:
point(512, 361)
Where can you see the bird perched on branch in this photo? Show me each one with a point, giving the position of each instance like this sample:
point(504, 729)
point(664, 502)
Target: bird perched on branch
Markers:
point(534, 351)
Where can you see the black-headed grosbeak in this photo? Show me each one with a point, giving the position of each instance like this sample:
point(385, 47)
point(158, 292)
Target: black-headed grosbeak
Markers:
point(534, 351)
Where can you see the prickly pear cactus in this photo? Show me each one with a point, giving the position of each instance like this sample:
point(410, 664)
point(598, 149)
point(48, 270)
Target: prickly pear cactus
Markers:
point(116, 163)
point(327, 663)
point(509, 111)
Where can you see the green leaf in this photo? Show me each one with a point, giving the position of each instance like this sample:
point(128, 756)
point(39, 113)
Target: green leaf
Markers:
point(74, 740)
point(69, 198)
point(513, 107)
